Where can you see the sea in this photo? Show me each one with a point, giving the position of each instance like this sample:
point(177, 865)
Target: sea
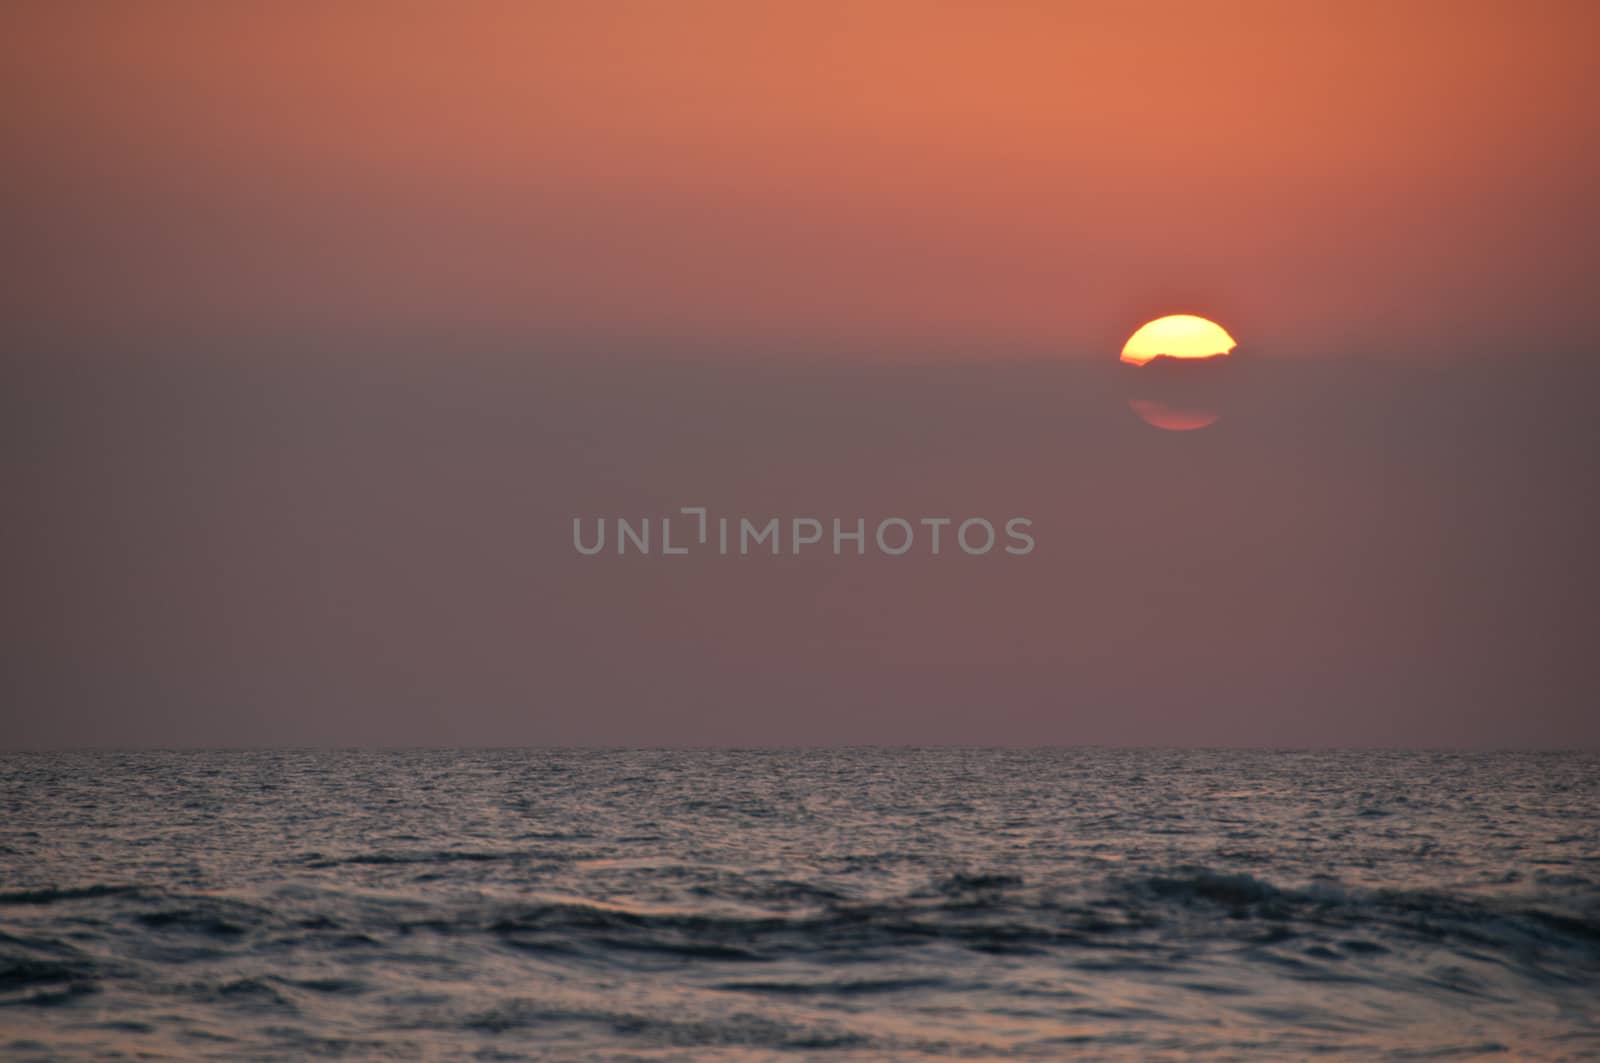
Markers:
point(835, 904)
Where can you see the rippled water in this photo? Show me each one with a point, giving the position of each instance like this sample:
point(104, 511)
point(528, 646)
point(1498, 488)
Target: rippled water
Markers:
point(850, 904)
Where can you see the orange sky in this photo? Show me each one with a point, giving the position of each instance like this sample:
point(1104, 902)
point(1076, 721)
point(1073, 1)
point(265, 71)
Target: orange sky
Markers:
point(907, 179)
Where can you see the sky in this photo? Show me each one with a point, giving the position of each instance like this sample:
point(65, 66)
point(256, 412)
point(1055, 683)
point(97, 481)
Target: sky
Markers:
point(321, 325)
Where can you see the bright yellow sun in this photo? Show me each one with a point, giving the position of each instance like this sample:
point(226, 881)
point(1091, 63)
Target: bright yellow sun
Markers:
point(1178, 335)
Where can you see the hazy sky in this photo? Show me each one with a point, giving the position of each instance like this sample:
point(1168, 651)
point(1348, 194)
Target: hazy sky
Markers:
point(906, 177)
point(321, 325)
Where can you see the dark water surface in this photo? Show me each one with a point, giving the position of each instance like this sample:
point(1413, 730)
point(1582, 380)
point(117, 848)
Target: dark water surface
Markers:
point(850, 904)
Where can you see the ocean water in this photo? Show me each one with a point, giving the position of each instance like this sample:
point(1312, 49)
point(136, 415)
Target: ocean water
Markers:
point(833, 904)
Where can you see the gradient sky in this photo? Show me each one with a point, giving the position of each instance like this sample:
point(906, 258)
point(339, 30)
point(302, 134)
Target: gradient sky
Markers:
point(900, 177)
point(321, 323)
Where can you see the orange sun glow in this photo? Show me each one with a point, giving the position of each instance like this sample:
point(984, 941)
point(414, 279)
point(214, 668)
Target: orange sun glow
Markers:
point(1177, 335)
point(1177, 368)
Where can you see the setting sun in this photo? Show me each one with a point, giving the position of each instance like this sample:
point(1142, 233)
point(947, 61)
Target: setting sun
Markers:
point(1178, 369)
point(1177, 335)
